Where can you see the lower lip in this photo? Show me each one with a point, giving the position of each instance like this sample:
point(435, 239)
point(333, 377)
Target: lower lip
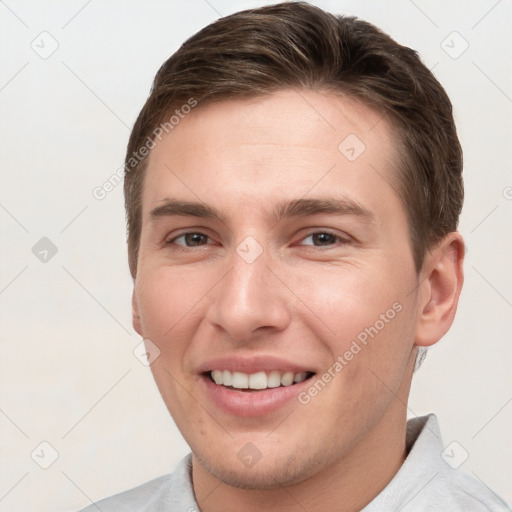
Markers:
point(249, 404)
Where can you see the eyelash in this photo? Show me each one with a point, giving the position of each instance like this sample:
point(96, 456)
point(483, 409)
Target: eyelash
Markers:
point(182, 247)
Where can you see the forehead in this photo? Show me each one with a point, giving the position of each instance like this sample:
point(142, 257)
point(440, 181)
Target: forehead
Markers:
point(261, 150)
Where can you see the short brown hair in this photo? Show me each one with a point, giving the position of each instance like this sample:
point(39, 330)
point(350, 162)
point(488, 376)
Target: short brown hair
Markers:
point(297, 45)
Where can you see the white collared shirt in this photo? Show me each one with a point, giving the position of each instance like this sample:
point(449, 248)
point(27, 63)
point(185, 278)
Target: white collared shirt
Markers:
point(424, 483)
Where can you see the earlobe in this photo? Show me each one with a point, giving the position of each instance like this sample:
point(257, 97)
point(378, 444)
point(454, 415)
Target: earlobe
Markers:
point(442, 286)
point(135, 314)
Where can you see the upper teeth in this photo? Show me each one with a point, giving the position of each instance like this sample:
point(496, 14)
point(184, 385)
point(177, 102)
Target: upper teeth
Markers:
point(259, 380)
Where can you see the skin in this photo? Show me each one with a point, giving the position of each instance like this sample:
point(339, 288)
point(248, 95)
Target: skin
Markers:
point(305, 298)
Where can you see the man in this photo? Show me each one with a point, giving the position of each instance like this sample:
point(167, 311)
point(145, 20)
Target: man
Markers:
point(293, 186)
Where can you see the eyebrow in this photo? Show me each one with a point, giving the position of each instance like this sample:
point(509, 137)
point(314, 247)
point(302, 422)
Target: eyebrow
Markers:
point(307, 207)
point(284, 209)
point(185, 208)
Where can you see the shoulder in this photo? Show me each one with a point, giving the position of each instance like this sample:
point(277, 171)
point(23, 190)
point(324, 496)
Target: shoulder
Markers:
point(168, 492)
point(443, 486)
point(137, 498)
point(455, 490)
point(427, 482)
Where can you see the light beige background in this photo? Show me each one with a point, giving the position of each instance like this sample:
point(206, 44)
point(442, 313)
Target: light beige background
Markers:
point(68, 376)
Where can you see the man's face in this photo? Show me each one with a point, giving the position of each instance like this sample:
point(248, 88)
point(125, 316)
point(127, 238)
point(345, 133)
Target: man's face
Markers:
point(309, 264)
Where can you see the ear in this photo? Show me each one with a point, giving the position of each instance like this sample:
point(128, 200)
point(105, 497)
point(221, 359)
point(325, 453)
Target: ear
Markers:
point(135, 314)
point(442, 277)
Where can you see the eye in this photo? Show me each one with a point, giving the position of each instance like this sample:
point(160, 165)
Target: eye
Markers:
point(323, 238)
point(190, 239)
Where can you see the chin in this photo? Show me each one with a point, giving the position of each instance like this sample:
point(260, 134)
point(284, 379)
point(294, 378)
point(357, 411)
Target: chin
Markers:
point(265, 474)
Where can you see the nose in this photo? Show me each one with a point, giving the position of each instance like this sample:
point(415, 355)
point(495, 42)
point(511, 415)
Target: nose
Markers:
point(249, 301)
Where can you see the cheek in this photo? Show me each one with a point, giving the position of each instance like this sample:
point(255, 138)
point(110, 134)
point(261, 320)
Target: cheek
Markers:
point(346, 298)
point(362, 315)
point(166, 302)
point(165, 299)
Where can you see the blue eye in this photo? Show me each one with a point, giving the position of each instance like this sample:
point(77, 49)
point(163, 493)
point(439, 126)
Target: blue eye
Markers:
point(190, 239)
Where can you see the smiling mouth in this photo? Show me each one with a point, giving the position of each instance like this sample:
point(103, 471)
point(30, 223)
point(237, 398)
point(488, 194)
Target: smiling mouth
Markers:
point(259, 381)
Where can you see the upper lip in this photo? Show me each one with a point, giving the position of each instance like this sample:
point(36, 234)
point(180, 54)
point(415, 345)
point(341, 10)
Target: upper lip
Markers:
point(252, 364)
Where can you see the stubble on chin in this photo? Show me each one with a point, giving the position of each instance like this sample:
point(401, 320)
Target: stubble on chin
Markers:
point(265, 474)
